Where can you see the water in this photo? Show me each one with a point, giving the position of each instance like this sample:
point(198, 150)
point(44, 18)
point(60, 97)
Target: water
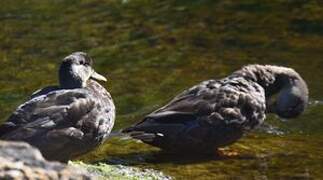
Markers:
point(152, 50)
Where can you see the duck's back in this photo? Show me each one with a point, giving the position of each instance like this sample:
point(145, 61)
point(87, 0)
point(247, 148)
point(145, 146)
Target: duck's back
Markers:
point(63, 123)
point(213, 113)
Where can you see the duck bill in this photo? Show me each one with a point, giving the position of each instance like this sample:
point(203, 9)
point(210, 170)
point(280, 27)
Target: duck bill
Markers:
point(98, 76)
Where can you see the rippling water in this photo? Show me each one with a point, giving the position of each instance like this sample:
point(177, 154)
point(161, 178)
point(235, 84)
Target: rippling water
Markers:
point(152, 50)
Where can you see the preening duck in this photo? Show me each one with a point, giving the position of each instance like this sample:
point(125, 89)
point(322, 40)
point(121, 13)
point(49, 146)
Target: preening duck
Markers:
point(68, 120)
point(216, 113)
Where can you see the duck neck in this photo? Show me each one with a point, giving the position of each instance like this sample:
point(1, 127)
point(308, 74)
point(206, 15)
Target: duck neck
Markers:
point(272, 78)
point(67, 77)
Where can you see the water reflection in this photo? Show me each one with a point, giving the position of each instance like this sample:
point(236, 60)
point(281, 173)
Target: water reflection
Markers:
point(162, 157)
point(316, 102)
point(270, 129)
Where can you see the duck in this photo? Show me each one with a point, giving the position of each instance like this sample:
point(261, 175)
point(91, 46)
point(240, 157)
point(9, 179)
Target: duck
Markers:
point(217, 113)
point(67, 120)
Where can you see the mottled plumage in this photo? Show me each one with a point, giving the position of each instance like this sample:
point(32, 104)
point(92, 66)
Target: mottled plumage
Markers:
point(217, 113)
point(67, 120)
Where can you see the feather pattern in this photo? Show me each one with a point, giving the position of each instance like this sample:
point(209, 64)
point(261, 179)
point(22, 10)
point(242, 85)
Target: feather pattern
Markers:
point(67, 120)
point(63, 123)
point(213, 113)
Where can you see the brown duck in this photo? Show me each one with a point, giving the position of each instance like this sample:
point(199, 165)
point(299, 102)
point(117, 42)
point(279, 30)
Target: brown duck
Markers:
point(216, 113)
point(67, 120)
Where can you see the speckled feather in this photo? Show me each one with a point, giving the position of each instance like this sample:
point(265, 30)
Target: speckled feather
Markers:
point(213, 113)
point(63, 123)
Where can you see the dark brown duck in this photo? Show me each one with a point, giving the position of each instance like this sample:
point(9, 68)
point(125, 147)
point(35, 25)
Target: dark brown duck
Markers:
point(67, 120)
point(216, 113)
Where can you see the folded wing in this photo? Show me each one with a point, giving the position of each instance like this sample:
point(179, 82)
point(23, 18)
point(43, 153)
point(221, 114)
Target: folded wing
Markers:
point(60, 120)
point(202, 114)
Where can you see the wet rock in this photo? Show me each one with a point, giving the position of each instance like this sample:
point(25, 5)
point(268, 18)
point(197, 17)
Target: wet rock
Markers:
point(19, 160)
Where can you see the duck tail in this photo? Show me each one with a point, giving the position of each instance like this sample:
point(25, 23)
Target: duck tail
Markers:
point(125, 134)
point(117, 133)
point(6, 128)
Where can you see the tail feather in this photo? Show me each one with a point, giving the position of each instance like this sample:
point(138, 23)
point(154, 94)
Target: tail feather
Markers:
point(135, 134)
point(144, 136)
point(6, 128)
point(118, 133)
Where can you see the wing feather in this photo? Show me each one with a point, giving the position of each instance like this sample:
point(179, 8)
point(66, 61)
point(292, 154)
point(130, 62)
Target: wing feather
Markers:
point(208, 105)
point(57, 107)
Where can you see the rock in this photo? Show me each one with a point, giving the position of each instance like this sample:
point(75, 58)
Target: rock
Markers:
point(20, 160)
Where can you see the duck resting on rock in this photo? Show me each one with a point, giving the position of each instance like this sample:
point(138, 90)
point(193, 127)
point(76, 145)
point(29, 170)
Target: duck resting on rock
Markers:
point(216, 113)
point(68, 120)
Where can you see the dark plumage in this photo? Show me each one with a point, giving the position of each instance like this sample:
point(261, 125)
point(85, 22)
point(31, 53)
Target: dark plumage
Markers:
point(67, 120)
point(217, 113)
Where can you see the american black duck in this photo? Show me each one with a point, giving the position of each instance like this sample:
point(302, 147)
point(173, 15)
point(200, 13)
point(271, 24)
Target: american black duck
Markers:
point(216, 113)
point(68, 120)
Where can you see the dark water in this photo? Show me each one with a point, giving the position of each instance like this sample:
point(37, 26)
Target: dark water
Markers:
point(152, 50)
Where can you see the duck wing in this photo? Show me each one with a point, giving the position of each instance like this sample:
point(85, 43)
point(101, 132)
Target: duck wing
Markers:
point(59, 122)
point(44, 91)
point(184, 107)
point(210, 105)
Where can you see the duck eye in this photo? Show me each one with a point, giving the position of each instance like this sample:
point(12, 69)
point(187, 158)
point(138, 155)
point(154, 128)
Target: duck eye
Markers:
point(82, 62)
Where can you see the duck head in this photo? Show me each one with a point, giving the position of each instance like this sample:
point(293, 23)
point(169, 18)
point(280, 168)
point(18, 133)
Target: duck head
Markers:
point(292, 98)
point(286, 91)
point(76, 69)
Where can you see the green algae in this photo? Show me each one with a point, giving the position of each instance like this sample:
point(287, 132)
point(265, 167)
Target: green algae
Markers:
point(118, 172)
point(152, 50)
